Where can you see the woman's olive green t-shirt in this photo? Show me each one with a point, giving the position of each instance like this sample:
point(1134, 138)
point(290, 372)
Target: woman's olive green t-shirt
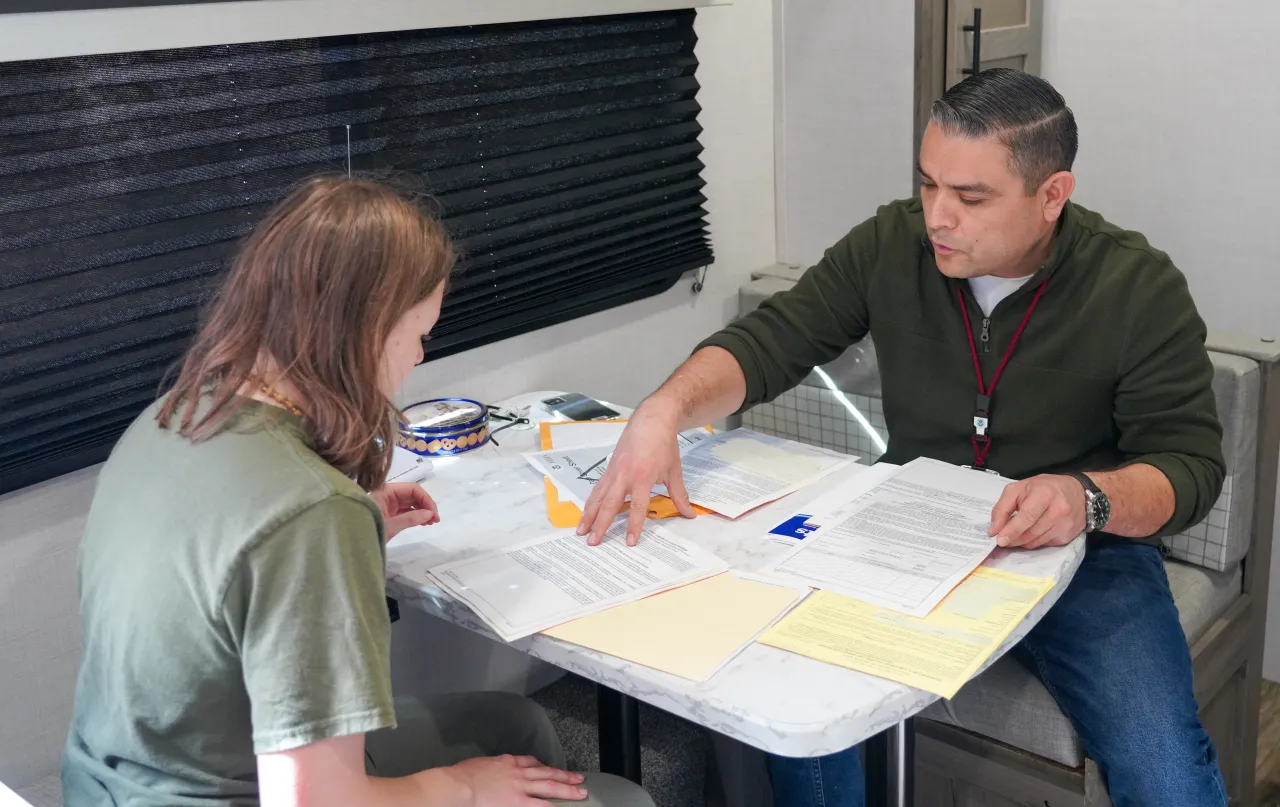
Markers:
point(232, 603)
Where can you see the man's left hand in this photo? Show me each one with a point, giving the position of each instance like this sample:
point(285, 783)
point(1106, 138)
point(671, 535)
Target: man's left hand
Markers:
point(1046, 510)
point(405, 505)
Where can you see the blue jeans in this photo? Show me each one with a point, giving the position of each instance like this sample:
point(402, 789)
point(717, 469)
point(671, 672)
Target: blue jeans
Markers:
point(1113, 655)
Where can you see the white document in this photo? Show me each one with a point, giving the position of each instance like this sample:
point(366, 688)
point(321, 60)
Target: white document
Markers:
point(809, 519)
point(905, 543)
point(407, 466)
point(575, 469)
point(737, 471)
point(541, 583)
point(587, 434)
point(691, 438)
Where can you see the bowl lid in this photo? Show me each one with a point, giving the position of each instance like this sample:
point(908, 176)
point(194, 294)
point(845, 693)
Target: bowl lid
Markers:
point(444, 414)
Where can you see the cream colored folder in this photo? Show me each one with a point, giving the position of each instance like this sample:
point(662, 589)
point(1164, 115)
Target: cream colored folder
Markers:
point(690, 631)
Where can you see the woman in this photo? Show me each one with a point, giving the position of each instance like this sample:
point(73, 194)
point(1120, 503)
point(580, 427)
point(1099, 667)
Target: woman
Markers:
point(236, 636)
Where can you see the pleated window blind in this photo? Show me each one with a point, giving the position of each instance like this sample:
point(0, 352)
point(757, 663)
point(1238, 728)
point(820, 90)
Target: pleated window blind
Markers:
point(564, 155)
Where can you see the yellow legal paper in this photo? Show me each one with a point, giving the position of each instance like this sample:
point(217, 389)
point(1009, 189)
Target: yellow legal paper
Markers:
point(690, 631)
point(937, 653)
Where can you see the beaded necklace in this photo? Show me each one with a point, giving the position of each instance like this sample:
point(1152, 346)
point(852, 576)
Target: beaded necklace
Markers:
point(280, 399)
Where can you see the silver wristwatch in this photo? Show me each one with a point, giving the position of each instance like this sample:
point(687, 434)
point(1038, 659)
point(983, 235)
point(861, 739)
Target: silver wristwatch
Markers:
point(1097, 506)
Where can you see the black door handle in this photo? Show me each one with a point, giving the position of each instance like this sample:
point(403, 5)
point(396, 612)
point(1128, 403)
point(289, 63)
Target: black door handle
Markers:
point(976, 30)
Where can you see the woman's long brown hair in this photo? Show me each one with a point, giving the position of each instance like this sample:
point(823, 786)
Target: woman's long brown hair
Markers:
point(317, 289)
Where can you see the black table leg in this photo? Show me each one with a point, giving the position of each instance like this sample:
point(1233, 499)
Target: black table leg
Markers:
point(619, 718)
point(890, 766)
point(875, 760)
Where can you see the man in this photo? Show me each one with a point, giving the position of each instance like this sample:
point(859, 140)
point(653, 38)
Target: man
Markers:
point(1017, 332)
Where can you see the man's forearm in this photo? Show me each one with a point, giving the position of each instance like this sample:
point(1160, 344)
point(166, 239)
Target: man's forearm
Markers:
point(1142, 499)
point(707, 387)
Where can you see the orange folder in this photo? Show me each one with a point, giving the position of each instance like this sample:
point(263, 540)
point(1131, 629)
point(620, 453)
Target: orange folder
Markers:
point(567, 514)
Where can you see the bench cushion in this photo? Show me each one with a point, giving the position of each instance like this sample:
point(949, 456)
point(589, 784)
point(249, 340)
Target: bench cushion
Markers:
point(1008, 704)
point(1221, 540)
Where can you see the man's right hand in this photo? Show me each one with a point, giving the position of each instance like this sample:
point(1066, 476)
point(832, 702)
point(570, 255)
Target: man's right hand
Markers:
point(647, 455)
point(515, 782)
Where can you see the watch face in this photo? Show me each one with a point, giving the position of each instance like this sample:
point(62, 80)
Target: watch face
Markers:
point(1101, 511)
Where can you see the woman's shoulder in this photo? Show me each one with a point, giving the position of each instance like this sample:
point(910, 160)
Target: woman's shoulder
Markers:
point(231, 489)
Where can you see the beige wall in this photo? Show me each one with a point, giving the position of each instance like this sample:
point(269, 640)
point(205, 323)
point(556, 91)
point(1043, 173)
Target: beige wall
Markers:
point(846, 73)
point(1178, 120)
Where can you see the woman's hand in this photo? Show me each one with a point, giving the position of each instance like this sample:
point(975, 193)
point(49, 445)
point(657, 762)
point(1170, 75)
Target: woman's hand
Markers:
point(331, 773)
point(405, 505)
point(515, 782)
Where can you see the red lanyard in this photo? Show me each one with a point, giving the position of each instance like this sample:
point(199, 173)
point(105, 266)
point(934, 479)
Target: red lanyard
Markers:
point(982, 406)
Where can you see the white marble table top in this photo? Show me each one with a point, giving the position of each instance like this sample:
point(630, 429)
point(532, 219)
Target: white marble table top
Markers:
point(768, 698)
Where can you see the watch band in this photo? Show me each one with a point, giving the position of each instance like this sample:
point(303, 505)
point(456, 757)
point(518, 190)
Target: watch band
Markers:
point(1084, 479)
point(1097, 506)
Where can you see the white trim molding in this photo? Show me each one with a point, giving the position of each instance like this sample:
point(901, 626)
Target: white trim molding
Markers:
point(52, 34)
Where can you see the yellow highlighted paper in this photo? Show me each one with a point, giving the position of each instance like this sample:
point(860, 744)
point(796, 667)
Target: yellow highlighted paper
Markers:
point(690, 631)
point(937, 653)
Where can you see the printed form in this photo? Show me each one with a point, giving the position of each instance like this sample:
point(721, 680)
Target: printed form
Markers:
point(541, 583)
point(937, 653)
point(730, 473)
point(904, 543)
point(735, 472)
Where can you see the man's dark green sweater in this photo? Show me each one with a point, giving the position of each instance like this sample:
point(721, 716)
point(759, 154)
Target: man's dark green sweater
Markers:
point(1111, 369)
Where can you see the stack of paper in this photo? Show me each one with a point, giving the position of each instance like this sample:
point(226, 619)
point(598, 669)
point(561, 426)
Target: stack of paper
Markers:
point(691, 631)
point(905, 542)
point(541, 583)
point(738, 471)
point(729, 473)
point(938, 653)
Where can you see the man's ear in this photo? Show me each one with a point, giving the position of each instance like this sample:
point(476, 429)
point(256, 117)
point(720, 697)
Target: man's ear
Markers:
point(1054, 193)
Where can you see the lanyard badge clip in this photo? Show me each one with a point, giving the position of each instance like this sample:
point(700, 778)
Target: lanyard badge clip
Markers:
point(982, 418)
point(982, 404)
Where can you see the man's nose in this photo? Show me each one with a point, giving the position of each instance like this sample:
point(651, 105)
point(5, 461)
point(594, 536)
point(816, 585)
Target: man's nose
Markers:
point(939, 214)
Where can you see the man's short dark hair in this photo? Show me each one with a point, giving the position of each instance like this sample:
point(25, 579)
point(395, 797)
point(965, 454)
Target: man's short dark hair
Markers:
point(1022, 111)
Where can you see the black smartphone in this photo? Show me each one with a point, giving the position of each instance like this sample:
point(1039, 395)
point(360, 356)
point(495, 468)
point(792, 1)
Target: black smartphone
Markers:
point(579, 407)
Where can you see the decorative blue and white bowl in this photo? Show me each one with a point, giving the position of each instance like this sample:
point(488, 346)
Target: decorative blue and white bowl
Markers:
point(443, 427)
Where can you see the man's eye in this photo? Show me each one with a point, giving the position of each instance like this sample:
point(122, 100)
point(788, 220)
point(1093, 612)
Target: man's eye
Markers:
point(970, 202)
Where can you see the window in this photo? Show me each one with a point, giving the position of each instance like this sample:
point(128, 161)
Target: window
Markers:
point(564, 155)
